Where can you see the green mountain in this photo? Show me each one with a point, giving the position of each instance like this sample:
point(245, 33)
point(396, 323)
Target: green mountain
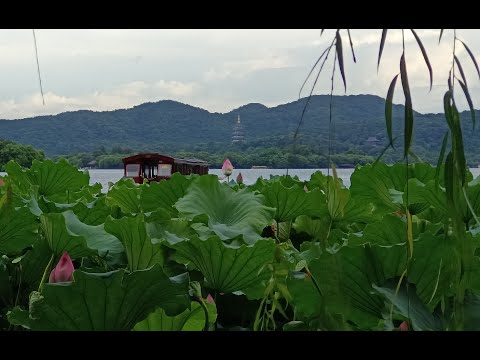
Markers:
point(171, 126)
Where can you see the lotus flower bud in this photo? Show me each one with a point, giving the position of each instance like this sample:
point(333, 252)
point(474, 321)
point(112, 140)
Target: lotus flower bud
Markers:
point(63, 272)
point(210, 299)
point(404, 326)
point(239, 178)
point(227, 168)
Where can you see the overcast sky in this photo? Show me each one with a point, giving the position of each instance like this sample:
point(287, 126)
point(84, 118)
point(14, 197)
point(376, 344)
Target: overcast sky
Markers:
point(218, 70)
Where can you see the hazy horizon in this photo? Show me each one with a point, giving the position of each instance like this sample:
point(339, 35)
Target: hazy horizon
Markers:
point(213, 112)
point(214, 69)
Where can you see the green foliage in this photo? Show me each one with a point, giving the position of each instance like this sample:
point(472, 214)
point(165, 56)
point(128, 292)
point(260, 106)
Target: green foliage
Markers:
point(80, 135)
point(91, 302)
point(21, 154)
point(328, 264)
point(192, 319)
point(401, 244)
point(226, 267)
point(230, 213)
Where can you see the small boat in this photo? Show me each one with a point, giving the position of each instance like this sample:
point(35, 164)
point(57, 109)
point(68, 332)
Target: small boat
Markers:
point(155, 167)
point(260, 167)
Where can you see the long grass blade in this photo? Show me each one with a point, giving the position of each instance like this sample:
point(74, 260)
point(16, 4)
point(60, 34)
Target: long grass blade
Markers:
point(351, 46)
point(409, 232)
point(38, 66)
point(311, 71)
point(440, 158)
point(338, 46)
point(408, 131)
point(388, 109)
point(383, 152)
point(425, 57)
point(469, 100)
point(471, 56)
point(460, 68)
point(382, 44)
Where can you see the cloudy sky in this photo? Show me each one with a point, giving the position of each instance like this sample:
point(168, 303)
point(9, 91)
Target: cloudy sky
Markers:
point(217, 70)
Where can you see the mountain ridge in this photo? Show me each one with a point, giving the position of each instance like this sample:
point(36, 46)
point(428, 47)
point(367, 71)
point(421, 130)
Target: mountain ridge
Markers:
point(169, 125)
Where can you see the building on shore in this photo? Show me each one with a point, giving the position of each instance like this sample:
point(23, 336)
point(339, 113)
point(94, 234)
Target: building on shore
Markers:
point(372, 141)
point(238, 133)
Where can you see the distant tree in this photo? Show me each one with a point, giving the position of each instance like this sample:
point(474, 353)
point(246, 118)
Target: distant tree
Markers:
point(22, 154)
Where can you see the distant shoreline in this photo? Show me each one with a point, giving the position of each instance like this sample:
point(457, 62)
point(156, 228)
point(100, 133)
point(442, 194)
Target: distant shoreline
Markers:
point(239, 169)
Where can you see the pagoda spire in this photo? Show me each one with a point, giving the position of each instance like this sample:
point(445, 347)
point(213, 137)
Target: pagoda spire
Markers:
point(238, 133)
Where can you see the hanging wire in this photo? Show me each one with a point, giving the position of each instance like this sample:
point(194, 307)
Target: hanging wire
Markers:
point(38, 66)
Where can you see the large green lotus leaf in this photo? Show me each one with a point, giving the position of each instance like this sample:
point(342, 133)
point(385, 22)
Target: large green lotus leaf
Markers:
point(165, 194)
point(474, 278)
point(310, 251)
point(337, 200)
point(320, 181)
point(383, 185)
point(345, 279)
point(51, 177)
point(6, 290)
point(65, 232)
point(435, 263)
point(172, 230)
point(258, 186)
point(286, 180)
point(355, 212)
point(341, 206)
point(227, 268)
point(131, 231)
point(419, 192)
point(34, 263)
point(317, 229)
point(472, 312)
point(473, 193)
point(192, 319)
point(125, 194)
point(305, 296)
point(293, 201)
point(94, 213)
point(256, 290)
point(9, 197)
point(115, 300)
point(390, 230)
point(230, 213)
point(434, 269)
point(421, 225)
point(408, 304)
point(18, 229)
point(91, 213)
point(86, 194)
point(283, 231)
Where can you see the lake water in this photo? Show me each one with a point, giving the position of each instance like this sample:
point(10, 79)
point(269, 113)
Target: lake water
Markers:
point(103, 176)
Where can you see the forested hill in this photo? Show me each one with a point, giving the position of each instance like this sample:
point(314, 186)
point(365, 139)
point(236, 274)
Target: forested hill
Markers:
point(173, 126)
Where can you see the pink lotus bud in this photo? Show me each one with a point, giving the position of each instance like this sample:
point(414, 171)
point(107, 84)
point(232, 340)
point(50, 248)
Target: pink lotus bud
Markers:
point(227, 168)
point(63, 272)
point(239, 178)
point(404, 326)
point(210, 299)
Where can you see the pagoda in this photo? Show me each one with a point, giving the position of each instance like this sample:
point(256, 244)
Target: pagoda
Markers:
point(238, 133)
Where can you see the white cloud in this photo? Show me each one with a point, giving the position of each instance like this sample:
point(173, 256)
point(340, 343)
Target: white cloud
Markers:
point(124, 96)
point(217, 70)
